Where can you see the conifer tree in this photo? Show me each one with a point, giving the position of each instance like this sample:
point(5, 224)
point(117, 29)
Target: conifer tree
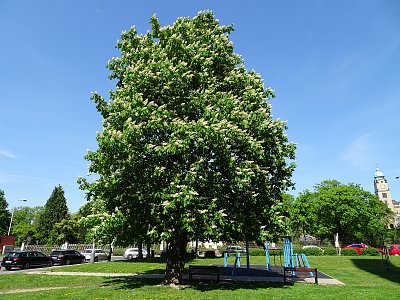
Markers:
point(5, 214)
point(55, 210)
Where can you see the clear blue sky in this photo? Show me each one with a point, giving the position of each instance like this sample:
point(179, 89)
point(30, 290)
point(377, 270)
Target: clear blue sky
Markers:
point(335, 67)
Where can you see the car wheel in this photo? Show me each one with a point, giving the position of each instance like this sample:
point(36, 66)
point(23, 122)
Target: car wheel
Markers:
point(50, 263)
point(26, 266)
point(130, 256)
point(8, 268)
point(68, 262)
point(96, 259)
point(82, 261)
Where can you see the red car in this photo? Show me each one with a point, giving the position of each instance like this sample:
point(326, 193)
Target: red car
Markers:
point(359, 247)
point(356, 247)
point(394, 250)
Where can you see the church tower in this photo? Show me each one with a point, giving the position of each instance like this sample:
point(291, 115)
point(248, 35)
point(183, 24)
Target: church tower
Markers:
point(382, 189)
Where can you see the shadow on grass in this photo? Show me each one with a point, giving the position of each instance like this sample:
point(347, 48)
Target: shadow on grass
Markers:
point(155, 260)
point(153, 270)
point(127, 283)
point(378, 267)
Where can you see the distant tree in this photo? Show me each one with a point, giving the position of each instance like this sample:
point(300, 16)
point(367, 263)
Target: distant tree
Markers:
point(106, 228)
point(287, 202)
point(5, 215)
point(333, 207)
point(68, 230)
point(55, 210)
point(189, 148)
point(25, 222)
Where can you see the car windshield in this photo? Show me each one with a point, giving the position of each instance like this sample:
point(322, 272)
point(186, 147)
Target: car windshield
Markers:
point(13, 254)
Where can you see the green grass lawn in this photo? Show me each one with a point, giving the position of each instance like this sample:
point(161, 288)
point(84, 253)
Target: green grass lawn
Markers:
point(365, 278)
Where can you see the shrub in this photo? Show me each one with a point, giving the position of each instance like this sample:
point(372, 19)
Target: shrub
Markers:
point(330, 251)
point(370, 252)
point(311, 251)
point(257, 252)
point(349, 252)
point(209, 254)
point(275, 252)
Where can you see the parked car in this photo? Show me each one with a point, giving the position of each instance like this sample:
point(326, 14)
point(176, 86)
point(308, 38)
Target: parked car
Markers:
point(66, 257)
point(131, 253)
point(356, 247)
point(359, 247)
point(313, 247)
point(235, 249)
point(394, 250)
point(99, 254)
point(25, 260)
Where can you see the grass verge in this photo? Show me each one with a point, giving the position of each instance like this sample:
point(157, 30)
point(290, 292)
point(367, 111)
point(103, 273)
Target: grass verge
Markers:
point(365, 278)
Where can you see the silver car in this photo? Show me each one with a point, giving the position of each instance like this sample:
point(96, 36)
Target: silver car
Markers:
point(313, 247)
point(99, 254)
point(131, 253)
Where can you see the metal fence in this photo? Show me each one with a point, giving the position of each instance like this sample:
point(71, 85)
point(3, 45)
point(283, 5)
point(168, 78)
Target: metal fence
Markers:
point(49, 248)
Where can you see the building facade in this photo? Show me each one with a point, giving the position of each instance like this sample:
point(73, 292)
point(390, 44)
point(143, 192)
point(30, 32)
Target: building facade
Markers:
point(382, 190)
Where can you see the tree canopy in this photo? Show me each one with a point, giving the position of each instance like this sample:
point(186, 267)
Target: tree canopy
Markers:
point(25, 223)
point(189, 147)
point(357, 215)
point(55, 210)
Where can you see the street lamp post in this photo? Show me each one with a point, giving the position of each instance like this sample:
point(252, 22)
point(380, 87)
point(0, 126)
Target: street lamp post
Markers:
point(12, 214)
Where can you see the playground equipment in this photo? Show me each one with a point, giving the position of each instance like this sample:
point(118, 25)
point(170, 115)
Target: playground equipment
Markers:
point(267, 257)
point(290, 260)
point(236, 263)
point(288, 252)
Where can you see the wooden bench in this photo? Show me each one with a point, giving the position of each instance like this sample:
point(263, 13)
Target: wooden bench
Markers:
point(305, 273)
point(203, 270)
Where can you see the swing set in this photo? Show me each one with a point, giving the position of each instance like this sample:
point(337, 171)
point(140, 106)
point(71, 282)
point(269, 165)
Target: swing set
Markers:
point(291, 261)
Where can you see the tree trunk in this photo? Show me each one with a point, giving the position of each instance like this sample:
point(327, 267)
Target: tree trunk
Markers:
point(196, 251)
point(176, 254)
point(140, 250)
point(148, 255)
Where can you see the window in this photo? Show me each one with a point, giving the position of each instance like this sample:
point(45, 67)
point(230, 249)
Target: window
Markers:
point(384, 195)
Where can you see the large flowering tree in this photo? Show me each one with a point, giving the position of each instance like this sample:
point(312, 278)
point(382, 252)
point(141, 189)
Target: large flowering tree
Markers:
point(189, 148)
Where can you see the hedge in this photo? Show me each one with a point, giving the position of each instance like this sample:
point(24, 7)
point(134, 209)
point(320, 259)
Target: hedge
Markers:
point(311, 252)
point(349, 252)
point(370, 252)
